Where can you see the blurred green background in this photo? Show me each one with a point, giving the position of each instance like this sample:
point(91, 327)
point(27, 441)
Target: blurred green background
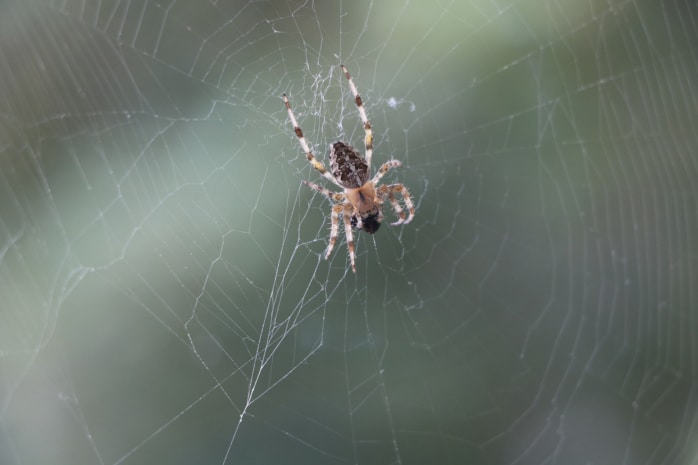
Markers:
point(163, 292)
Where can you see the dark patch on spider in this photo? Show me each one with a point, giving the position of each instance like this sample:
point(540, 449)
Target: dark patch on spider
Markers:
point(348, 166)
point(370, 223)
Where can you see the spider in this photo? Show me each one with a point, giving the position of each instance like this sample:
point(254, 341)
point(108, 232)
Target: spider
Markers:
point(361, 199)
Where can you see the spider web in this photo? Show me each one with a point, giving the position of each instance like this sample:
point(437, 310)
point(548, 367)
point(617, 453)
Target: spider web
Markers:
point(164, 297)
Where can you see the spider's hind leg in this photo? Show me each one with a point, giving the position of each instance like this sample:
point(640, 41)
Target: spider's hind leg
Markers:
point(385, 167)
point(317, 164)
point(368, 140)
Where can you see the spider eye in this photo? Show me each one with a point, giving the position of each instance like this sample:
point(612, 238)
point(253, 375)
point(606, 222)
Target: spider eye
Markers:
point(370, 223)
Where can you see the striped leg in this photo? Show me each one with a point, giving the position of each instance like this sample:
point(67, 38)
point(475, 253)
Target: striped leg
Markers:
point(364, 118)
point(348, 210)
point(334, 229)
point(304, 145)
point(385, 167)
point(336, 196)
point(390, 191)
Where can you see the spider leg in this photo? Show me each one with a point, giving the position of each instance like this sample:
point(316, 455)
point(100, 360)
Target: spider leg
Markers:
point(390, 191)
point(368, 140)
point(385, 167)
point(348, 210)
point(334, 229)
point(336, 196)
point(318, 165)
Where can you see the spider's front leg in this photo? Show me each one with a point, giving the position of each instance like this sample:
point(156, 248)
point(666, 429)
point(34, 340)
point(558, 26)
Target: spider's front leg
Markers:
point(389, 191)
point(348, 210)
point(334, 228)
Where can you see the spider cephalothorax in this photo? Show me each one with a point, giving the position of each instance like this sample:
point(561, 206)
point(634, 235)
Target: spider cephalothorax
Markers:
point(361, 201)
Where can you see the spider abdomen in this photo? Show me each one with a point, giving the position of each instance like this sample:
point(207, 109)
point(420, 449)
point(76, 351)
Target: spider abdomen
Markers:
point(348, 166)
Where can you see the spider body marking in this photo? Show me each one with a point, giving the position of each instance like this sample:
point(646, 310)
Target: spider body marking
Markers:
point(361, 201)
point(351, 170)
point(348, 166)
